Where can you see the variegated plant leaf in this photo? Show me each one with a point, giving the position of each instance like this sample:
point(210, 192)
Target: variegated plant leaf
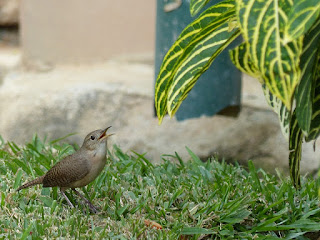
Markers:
point(210, 18)
point(196, 59)
point(262, 25)
point(301, 17)
point(240, 57)
point(197, 5)
point(295, 148)
point(280, 109)
point(306, 108)
point(315, 120)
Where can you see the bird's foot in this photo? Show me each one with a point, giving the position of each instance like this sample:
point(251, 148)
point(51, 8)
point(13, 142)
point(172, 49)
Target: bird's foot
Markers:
point(92, 208)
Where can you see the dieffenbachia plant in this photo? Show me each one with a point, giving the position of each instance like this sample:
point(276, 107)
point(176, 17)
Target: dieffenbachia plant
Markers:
point(281, 48)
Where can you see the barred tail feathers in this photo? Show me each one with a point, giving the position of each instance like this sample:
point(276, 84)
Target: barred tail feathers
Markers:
point(36, 181)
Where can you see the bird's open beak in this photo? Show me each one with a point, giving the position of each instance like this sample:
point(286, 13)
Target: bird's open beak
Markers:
point(104, 134)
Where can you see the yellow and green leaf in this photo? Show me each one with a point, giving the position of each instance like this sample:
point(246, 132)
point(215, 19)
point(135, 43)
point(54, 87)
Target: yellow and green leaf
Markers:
point(307, 106)
point(301, 17)
point(280, 109)
point(240, 57)
point(196, 59)
point(213, 17)
point(196, 6)
point(315, 120)
point(295, 147)
point(262, 25)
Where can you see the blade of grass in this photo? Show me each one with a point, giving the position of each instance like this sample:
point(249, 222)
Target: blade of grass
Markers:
point(62, 138)
point(142, 157)
point(196, 230)
point(195, 158)
point(17, 180)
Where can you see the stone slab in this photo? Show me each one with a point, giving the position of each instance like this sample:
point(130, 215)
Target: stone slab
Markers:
point(85, 31)
point(119, 92)
point(9, 12)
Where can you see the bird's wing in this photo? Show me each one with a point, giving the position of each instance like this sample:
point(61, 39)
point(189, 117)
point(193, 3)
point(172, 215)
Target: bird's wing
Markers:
point(68, 170)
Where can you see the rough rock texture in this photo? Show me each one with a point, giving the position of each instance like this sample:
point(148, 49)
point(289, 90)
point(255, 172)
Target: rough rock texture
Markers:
point(120, 93)
point(9, 12)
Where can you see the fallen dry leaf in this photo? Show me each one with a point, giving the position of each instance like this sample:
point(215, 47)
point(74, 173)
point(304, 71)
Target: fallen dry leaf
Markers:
point(152, 224)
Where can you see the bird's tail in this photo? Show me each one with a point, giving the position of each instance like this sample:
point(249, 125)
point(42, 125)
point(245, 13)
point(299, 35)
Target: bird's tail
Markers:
point(36, 181)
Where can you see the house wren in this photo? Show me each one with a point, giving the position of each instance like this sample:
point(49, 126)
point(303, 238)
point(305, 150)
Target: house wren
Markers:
point(79, 168)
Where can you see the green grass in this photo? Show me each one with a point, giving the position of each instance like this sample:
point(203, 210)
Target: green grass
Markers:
point(196, 200)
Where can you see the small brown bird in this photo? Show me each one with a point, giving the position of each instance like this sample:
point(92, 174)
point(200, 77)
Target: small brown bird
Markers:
point(79, 168)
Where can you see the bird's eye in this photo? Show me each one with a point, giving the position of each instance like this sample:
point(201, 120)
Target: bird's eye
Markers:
point(92, 137)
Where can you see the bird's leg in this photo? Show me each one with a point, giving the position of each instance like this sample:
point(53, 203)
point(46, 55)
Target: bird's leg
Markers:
point(91, 206)
point(67, 199)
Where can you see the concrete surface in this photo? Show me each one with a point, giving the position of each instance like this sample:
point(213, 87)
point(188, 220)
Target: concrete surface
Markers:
point(9, 12)
point(85, 31)
point(119, 92)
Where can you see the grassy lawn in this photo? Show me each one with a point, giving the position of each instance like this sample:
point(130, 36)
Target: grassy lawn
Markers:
point(188, 199)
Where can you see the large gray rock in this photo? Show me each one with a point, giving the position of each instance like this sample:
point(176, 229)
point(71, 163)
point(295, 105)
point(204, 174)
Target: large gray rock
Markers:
point(120, 93)
point(9, 12)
